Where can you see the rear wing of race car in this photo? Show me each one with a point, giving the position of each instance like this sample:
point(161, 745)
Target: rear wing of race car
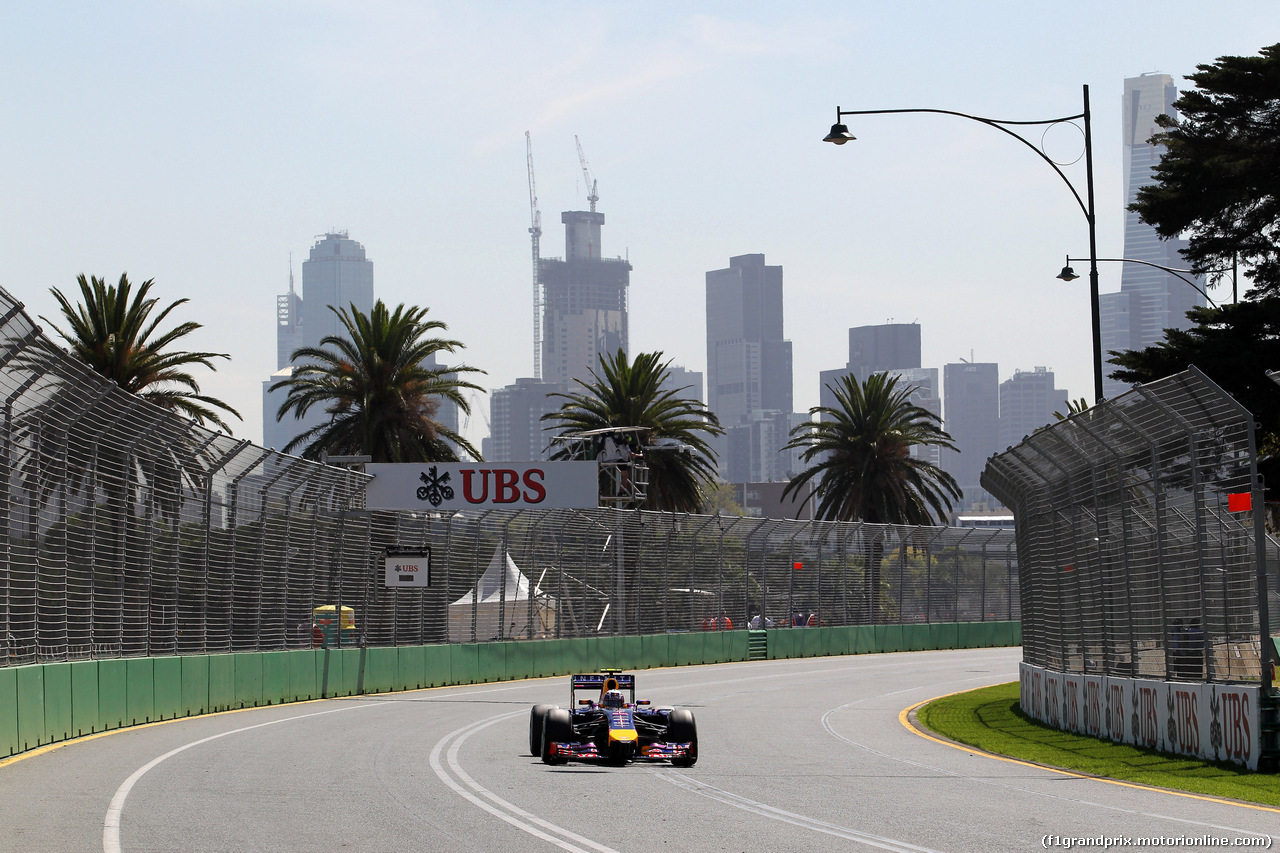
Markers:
point(599, 682)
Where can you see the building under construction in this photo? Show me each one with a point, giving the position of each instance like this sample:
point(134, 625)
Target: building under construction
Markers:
point(584, 301)
point(579, 313)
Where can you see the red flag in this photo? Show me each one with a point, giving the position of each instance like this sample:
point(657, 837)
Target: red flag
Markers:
point(1240, 502)
point(797, 566)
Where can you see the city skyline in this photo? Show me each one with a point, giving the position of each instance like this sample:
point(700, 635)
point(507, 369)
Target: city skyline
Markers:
point(214, 127)
point(1150, 300)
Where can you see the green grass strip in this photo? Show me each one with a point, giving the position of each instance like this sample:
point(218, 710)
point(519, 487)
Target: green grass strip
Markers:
point(991, 720)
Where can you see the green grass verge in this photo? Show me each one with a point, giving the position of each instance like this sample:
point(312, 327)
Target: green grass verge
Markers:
point(990, 720)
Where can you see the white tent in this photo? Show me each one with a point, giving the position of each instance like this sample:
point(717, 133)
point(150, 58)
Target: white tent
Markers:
point(501, 598)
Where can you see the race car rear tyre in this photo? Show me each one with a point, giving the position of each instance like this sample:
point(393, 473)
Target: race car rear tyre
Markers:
point(682, 728)
point(535, 727)
point(557, 725)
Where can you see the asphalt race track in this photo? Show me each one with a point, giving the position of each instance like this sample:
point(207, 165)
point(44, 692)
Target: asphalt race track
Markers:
point(795, 755)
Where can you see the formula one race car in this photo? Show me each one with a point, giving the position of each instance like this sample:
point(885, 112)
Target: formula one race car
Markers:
point(613, 727)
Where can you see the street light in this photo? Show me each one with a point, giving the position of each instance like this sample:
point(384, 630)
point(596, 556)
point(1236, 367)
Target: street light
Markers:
point(1068, 274)
point(840, 134)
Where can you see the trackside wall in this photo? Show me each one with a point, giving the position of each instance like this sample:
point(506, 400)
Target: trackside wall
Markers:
point(47, 703)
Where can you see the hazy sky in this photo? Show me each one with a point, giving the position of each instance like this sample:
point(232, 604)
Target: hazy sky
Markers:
point(199, 143)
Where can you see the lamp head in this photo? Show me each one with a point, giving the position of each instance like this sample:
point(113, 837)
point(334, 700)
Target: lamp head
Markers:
point(839, 134)
point(1068, 274)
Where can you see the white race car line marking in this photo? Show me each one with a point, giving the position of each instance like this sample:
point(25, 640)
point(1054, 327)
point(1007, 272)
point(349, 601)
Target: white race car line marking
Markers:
point(682, 781)
point(826, 724)
point(111, 824)
point(501, 808)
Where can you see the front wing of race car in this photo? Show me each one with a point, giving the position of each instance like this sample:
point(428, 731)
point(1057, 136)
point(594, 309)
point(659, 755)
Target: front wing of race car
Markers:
point(657, 751)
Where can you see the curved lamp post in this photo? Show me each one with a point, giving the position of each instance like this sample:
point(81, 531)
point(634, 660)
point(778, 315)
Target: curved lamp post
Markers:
point(1068, 274)
point(840, 134)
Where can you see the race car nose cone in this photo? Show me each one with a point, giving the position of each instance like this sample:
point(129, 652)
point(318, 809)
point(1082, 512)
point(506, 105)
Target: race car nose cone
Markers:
point(623, 736)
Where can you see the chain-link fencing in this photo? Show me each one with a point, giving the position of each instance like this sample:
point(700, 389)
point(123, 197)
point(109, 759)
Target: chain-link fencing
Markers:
point(126, 530)
point(1140, 533)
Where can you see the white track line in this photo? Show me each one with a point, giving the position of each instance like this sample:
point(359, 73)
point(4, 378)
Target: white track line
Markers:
point(680, 780)
point(501, 808)
point(111, 825)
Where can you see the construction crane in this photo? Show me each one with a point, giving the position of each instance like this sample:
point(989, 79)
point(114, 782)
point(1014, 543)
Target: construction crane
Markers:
point(535, 229)
point(586, 174)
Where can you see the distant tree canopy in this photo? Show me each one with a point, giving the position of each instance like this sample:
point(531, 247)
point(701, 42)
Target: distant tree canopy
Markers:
point(1219, 179)
point(859, 456)
point(112, 330)
point(375, 383)
point(627, 393)
point(1218, 184)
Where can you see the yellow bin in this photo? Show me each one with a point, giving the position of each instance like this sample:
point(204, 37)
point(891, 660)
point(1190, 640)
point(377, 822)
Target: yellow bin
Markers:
point(323, 617)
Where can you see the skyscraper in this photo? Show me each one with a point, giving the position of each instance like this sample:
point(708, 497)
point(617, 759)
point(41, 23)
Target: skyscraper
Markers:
point(972, 404)
point(516, 430)
point(685, 384)
point(1150, 300)
point(1028, 401)
point(891, 347)
point(748, 367)
point(888, 346)
point(288, 323)
point(584, 316)
point(585, 302)
point(748, 361)
point(336, 273)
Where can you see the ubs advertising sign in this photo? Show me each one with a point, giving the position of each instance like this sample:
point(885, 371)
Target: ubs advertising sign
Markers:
point(457, 485)
point(1218, 722)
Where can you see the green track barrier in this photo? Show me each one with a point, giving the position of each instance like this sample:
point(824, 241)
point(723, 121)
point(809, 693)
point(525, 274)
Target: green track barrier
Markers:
point(465, 663)
point(45, 703)
point(275, 678)
point(195, 685)
point(168, 687)
point(438, 666)
point(57, 701)
point(380, 671)
point(222, 682)
point(248, 671)
point(491, 661)
point(654, 647)
point(9, 743)
point(112, 684)
point(140, 691)
point(31, 730)
point(302, 676)
point(521, 660)
point(84, 698)
point(411, 667)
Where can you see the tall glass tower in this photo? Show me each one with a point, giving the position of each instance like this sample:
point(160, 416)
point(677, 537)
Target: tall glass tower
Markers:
point(1150, 300)
point(336, 273)
point(749, 370)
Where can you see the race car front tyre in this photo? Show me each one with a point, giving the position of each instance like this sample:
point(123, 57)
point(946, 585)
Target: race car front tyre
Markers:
point(557, 726)
point(535, 727)
point(682, 728)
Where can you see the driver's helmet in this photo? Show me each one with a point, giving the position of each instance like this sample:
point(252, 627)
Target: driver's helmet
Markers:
point(613, 699)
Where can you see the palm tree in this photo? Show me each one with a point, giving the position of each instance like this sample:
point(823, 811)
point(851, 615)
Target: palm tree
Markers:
point(378, 384)
point(112, 332)
point(674, 429)
point(864, 470)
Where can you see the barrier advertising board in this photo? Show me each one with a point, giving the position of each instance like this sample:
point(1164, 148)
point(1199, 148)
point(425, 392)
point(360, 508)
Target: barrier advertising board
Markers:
point(1216, 722)
point(407, 568)
point(445, 486)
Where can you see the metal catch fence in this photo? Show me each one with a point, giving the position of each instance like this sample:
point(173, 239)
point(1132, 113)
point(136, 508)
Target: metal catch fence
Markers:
point(1137, 555)
point(126, 530)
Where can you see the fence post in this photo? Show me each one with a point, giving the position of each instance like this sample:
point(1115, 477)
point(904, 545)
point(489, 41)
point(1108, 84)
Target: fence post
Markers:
point(207, 526)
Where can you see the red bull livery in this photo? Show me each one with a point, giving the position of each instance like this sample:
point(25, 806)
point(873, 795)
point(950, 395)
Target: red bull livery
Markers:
point(612, 727)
